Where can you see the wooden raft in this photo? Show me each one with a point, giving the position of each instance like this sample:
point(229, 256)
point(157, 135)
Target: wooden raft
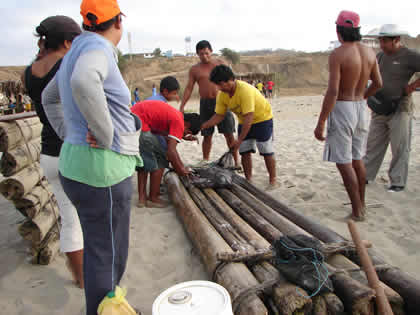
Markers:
point(232, 229)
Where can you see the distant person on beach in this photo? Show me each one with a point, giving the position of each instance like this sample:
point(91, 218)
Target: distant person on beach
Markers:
point(199, 74)
point(350, 66)
point(260, 87)
point(136, 95)
point(255, 120)
point(397, 64)
point(154, 90)
point(101, 145)
point(269, 87)
point(56, 34)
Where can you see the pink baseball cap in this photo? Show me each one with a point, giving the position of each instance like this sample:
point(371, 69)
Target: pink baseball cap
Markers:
point(348, 19)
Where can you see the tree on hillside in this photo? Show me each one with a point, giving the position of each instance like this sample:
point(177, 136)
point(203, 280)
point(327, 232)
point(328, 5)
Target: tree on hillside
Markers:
point(157, 52)
point(231, 55)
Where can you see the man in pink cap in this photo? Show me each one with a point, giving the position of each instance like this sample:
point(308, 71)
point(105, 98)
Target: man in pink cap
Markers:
point(344, 108)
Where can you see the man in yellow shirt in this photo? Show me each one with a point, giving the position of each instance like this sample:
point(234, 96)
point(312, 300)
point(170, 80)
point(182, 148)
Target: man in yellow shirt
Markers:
point(254, 115)
point(260, 87)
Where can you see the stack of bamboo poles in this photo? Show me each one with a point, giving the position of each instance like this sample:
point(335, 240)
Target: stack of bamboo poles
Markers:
point(25, 186)
point(243, 219)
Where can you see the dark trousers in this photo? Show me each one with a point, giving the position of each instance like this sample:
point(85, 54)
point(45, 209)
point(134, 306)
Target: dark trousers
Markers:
point(105, 219)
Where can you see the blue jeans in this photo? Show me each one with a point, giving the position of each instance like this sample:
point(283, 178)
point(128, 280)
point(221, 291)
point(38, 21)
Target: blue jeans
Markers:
point(105, 219)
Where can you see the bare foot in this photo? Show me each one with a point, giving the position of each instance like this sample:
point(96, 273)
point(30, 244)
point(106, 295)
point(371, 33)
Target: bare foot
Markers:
point(156, 204)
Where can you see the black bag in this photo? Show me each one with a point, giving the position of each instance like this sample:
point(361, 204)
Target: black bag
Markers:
point(382, 105)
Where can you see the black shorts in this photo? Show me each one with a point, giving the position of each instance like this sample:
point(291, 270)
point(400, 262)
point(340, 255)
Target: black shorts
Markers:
point(207, 107)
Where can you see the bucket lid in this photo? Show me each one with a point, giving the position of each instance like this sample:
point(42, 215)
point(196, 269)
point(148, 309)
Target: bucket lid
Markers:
point(193, 297)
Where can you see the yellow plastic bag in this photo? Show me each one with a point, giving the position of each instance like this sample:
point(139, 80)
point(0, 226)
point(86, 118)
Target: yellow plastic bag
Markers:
point(115, 304)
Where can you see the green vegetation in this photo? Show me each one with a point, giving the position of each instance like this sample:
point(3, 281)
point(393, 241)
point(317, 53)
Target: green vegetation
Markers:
point(231, 55)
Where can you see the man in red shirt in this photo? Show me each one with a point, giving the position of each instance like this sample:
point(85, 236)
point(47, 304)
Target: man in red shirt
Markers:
point(269, 87)
point(161, 119)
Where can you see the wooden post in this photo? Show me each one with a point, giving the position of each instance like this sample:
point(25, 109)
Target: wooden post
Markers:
point(381, 301)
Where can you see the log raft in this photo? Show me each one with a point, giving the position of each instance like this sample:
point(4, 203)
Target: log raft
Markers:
point(403, 283)
point(235, 277)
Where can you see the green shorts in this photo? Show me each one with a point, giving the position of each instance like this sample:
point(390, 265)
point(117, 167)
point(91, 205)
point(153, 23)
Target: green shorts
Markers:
point(152, 152)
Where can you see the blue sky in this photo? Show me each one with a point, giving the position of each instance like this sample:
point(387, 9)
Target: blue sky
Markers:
point(237, 24)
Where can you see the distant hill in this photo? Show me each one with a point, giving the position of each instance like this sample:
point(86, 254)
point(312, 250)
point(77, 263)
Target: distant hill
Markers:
point(296, 73)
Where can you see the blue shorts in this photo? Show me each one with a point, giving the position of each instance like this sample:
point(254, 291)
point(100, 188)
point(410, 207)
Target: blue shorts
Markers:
point(260, 135)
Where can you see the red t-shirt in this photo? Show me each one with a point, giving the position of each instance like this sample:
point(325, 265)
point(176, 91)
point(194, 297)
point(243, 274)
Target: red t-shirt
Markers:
point(270, 85)
point(160, 118)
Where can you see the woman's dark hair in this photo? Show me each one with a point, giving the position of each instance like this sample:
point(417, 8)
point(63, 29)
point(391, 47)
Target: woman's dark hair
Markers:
point(99, 27)
point(194, 120)
point(170, 83)
point(54, 30)
point(221, 73)
point(349, 34)
point(202, 44)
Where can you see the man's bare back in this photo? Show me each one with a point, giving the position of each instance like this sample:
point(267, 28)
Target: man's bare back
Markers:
point(352, 65)
point(200, 73)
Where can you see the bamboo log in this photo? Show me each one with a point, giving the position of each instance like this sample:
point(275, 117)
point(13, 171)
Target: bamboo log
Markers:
point(342, 263)
point(11, 135)
point(32, 203)
point(247, 232)
point(225, 229)
point(18, 185)
point(261, 225)
point(35, 230)
point(314, 228)
point(45, 253)
point(235, 277)
point(403, 283)
point(17, 159)
point(287, 297)
point(356, 297)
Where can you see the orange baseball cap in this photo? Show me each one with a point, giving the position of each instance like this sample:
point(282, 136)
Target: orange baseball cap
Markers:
point(104, 10)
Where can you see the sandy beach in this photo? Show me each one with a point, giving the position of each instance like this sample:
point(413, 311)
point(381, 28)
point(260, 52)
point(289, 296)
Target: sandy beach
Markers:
point(161, 254)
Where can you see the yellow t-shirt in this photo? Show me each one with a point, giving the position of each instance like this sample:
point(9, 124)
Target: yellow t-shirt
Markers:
point(260, 86)
point(246, 99)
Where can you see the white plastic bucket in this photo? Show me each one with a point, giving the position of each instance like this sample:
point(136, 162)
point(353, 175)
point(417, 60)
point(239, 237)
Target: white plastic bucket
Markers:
point(193, 298)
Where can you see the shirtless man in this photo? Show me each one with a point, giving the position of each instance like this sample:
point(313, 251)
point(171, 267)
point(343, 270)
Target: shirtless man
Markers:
point(351, 66)
point(200, 73)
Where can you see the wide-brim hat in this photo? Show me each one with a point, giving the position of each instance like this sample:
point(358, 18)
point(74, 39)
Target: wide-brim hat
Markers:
point(390, 30)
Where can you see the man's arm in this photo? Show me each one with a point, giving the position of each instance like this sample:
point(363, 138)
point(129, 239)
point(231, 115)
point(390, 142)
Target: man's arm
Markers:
point(330, 97)
point(53, 109)
point(246, 126)
point(376, 78)
point(188, 90)
point(174, 158)
point(412, 87)
point(86, 82)
point(213, 121)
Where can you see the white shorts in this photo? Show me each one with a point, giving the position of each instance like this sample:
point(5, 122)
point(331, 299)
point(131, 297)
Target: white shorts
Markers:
point(347, 131)
point(71, 235)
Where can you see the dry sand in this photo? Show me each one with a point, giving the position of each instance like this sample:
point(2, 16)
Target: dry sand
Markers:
point(161, 254)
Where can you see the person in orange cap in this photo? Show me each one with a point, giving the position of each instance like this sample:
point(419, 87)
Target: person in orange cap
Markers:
point(97, 175)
